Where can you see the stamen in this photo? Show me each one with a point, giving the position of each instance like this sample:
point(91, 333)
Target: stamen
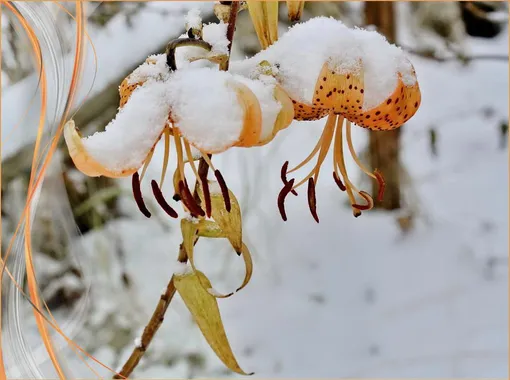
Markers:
point(176, 179)
point(166, 156)
point(312, 202)
point(283, 175)
point(382, 185)
point(207, 193)
point(311, 155)
point(189, 201)
point(146, 164)
point(281, 198)
point(207, 159)
point(329, 131)
point(326, 138)
point(338, 181)
point(339, 161)
point(368, 198)
point(137, 194)
point(224, 189)
point(180, 159)
point(161, 200)
point(375, 175)
point(194, 168)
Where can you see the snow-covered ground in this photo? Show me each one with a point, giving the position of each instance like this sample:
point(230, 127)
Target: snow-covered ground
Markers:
point(351, 297)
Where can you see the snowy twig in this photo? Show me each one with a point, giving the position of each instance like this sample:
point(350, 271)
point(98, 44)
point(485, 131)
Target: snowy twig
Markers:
point(159, 312)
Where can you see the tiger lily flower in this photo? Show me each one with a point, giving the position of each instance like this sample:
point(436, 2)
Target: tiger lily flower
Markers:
point(352, 76)
point(202, 110)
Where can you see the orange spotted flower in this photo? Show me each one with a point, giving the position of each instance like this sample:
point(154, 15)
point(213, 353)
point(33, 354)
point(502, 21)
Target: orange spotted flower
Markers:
point(203, 110)
point(350, 76)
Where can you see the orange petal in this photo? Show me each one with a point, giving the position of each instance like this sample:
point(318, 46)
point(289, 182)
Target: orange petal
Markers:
point(285, 116)
point(394, 111)
point(306, 112)
point(82, 159)
point(252, 116)
point(126, 89)
point(343, 93)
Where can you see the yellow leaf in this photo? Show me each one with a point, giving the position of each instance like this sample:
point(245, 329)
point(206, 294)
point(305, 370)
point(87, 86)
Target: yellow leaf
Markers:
point(248, 265)
point(189, 231)
point(229, 222)
point(264, 16)
point(204, 308)
point(209, 229)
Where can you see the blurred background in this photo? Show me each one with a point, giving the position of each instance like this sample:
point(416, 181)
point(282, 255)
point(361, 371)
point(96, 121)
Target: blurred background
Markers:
point(415, 288)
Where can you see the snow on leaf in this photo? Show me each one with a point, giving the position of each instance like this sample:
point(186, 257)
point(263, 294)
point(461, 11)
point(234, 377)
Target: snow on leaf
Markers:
point(229, 222)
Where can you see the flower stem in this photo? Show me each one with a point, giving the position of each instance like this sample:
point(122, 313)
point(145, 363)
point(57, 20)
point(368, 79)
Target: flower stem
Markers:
point(166, 298)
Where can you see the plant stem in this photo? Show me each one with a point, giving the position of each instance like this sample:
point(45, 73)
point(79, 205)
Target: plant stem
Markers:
point(154, 324)
point(234, 8)
point(159, 312)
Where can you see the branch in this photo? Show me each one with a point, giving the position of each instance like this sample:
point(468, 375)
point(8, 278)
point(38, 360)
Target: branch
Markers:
point(430, 55)
point(166, 298)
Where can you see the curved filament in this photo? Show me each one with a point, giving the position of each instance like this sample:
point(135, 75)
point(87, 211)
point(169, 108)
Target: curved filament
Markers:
point(166, 134)
point(375, 175)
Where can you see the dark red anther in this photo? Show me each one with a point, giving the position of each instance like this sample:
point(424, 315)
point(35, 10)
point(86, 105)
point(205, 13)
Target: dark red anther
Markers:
point(369, 200)
point(137, 194)
point(207, 193)
point(283, 175)
point(224, 189)
point(312, 201)
point(189, 201)
point(338, 181)
point(281, 198)
point(162, 201)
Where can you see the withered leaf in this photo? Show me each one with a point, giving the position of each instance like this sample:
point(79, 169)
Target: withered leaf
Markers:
point(229, 222)
point(209, 229)
point(204, 308)
point(189, 233)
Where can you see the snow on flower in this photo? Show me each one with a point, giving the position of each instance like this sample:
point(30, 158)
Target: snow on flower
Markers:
point(349, 75)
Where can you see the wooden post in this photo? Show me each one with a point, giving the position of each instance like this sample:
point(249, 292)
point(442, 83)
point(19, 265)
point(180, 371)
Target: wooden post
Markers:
point(384, 146)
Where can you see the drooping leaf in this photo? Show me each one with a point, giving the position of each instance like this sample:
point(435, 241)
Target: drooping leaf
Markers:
point(248, 264)
point(189, 235)
point(229, 222)
point(204, 308)
point(209, 229)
